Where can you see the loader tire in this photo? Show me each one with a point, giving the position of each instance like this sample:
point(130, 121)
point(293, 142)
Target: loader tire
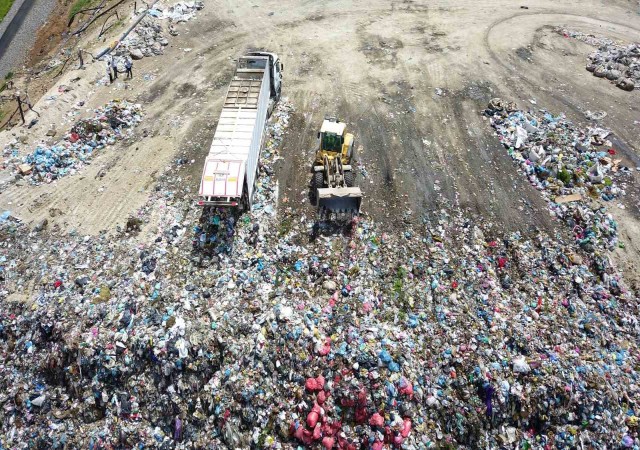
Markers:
point(317, 181)
point(350, 179)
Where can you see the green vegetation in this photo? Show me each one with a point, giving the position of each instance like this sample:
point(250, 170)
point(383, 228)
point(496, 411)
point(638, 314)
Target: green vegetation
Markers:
point(564, 176)
point(398, 283)
point(77, 6)
point(8, 77)
point(5, 6)
point(286, 224)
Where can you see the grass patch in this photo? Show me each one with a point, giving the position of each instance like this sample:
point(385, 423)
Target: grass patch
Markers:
point(398, 283)
point(564, 176)
point(5, 6)
point(286, 224)
point(78, 6)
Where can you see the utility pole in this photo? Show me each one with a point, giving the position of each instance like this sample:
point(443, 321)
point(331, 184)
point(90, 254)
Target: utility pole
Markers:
point(20, 107)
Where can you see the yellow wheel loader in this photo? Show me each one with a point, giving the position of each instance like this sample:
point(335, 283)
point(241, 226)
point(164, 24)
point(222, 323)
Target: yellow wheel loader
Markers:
point(333, 179)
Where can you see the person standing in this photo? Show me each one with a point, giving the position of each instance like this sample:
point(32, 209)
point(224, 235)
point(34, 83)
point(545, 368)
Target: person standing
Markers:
point(128, 64)
point(109, 71)
point(114, 67)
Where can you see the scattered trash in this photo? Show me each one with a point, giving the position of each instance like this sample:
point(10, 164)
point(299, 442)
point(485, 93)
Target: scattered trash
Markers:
point(145, 40)
point(148, 38)
point(24, 169)
point(108, 124)
point(568, 198)
point(568, 165)
point(618, 63)
point(183, 11)
point(597, 115)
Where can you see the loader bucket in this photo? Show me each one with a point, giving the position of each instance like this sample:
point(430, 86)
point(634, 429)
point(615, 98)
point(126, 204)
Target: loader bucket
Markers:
point(339, 202)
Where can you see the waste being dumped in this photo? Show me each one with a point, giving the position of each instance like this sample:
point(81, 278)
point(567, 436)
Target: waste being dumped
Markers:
point(255, 331)
point(572, 167)
point(613, 61)
point(108, 124)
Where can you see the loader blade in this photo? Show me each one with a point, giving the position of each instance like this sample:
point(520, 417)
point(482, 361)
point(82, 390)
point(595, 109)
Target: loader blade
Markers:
point(339, 202)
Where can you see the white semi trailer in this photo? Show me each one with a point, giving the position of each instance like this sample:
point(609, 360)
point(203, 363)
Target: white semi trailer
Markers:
point(231, 168)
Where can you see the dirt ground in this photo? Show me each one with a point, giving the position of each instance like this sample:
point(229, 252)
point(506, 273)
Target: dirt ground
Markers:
point(409, 77)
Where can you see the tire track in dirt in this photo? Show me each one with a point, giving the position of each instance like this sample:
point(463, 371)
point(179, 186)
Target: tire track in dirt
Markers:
point(294, 169)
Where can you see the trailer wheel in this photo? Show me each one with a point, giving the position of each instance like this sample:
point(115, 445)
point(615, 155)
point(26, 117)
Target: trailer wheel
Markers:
point(349, 178)
point(245, 204)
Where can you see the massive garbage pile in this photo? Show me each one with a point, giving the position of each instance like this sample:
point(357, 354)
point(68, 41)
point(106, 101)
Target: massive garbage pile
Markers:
point(263, 331)
point(618, 63)
point(574, 168)
point(108, 124)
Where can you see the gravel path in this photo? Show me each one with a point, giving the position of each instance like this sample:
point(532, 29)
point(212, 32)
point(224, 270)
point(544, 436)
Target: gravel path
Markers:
point(20, 32)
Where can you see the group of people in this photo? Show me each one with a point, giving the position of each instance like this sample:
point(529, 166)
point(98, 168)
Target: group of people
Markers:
point(112, 68)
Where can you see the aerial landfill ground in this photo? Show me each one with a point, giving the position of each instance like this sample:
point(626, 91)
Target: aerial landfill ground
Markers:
point(485, 295)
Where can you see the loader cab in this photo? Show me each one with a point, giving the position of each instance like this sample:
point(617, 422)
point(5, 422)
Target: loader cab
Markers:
point(275, 72)
point(331, 136)
point(331, 142)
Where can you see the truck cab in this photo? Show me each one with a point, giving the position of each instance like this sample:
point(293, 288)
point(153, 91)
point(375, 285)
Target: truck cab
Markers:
point(275, 72)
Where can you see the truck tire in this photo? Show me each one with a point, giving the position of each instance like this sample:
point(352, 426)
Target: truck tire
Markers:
point(350, 178)
point(245, 203)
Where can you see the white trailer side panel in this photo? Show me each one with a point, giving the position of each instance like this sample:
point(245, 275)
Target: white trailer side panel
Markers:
point(258, 133)
point(232, 143)
point(237, 142)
